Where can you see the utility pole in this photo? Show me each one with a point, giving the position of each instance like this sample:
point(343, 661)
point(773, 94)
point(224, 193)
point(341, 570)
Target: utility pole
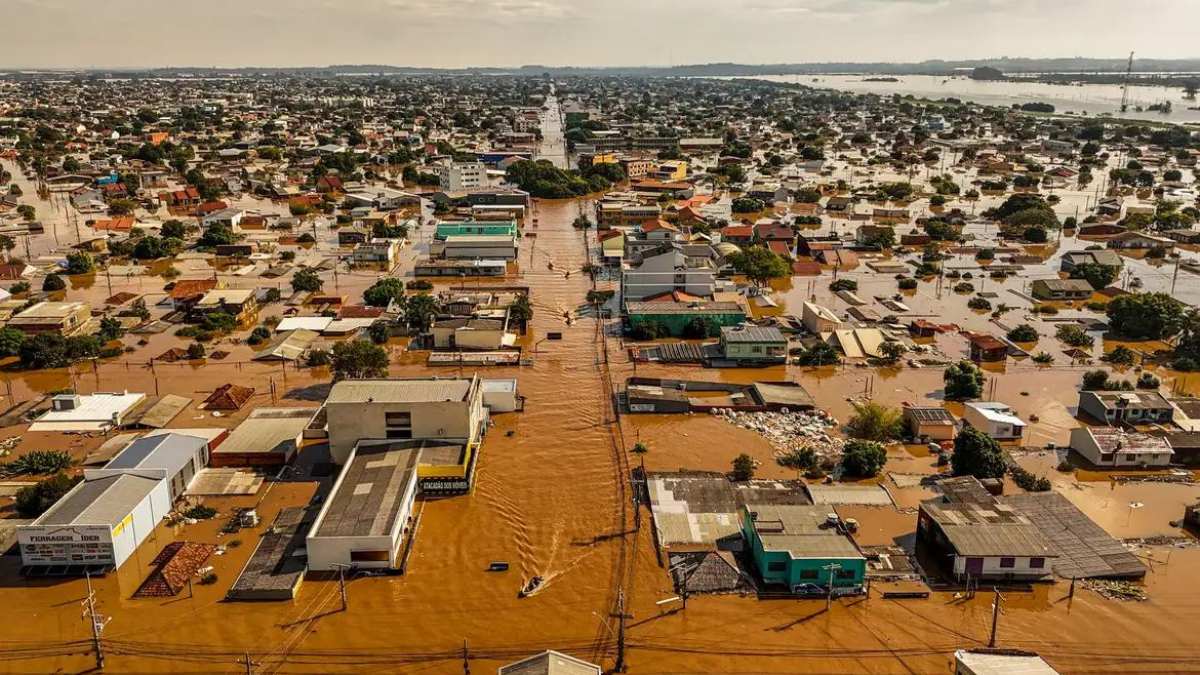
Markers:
point(249, 663)
point(96, 620)
point(620, 666)
point(1175, 275)
point(466, 659)
point(341, 568)
point(996, 615)
point(829, 597)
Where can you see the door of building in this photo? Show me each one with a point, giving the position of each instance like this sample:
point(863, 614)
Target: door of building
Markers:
point(975, 566)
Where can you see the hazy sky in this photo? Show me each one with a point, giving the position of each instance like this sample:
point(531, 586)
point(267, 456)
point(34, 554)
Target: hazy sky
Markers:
point(450, 33)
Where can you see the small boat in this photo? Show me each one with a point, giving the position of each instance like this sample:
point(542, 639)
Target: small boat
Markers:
point(530, 588)
point(498, 566)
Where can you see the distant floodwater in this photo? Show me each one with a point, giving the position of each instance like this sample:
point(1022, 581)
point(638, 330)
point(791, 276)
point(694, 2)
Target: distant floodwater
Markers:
point(1092, 99)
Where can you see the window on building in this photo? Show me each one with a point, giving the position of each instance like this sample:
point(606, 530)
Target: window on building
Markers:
point(808, 574)
point(845, 574)
point(1008, 562)
point(777, 566)
point(1037, 563)
point(370, 556)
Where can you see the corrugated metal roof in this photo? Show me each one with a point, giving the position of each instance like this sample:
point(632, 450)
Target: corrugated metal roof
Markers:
point(100, 501)
point(267, 430)
point(169, 451)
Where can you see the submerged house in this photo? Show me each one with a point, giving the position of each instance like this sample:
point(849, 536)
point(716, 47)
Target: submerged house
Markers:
point(803, 548)
point(981, 538)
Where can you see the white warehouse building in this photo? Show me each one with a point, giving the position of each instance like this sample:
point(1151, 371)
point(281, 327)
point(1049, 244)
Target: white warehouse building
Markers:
point(100, 523)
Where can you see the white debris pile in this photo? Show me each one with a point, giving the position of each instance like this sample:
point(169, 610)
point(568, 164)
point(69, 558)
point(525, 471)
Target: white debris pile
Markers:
point(788, 431)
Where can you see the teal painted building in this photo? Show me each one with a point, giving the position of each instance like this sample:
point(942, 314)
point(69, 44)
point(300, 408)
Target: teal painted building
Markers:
point(794, 545)
point(475, 228)
point(677, 315)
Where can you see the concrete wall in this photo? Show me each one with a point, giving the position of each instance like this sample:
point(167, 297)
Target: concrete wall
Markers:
point(350, 422)
point(991, 567)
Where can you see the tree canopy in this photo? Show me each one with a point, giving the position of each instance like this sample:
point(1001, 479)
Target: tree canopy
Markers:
point(1145, 316)
point(977, 454)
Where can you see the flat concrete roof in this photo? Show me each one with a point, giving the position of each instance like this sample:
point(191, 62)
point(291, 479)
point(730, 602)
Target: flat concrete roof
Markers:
point(370, 491)
point(422, 390)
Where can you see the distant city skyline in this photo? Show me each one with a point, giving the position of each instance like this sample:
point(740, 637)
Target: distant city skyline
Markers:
point(462, 33)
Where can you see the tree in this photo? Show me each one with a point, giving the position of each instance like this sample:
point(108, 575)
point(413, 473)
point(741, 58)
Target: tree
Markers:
point(121, 207)
point(383, 292)
point(863, 459)
point(173, 229)
point(379, 332)
point(820, 354)
point(1145, 316)
point(747, 205)
point(217, 234)
point(639, 449)
point(1121, 356)
point(743, 467)
point(875, 422)
point(1096, 380)
point(8, 244)
point(420, 312)
point(306, 279)
point(759, 264)
point(882, 238)
point(892, 351)
point(11, 340)
point(195, 351)
point(1187, 347)
point(797, 459)
point(35, 500)
point(1023, 333)
point(1074, 335)
point(53, 282)
point(51, 350)
point(521, 311)
point(358, 359)
point(110, 329)
point(1099, 276)
point(152, 248)
point(977, 454)
point(962, 381)
point(80, 262)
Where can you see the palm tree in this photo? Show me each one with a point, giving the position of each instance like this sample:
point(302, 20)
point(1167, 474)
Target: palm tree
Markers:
point(640, 450)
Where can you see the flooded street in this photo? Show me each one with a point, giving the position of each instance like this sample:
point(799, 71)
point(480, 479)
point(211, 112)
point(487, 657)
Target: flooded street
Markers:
point(552, 499)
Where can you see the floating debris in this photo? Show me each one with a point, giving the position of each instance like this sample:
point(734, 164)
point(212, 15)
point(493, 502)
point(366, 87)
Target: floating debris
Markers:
point(787, 431)
point(1116, 590)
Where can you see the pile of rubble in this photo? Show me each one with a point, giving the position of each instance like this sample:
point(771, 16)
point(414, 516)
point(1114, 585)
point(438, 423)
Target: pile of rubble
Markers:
point(1116, 590)
point(787, 431)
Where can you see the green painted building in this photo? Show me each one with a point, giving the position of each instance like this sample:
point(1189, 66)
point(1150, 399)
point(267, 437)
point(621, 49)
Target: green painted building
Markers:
point(794, 546)
point(475, 228)
point(676, 316)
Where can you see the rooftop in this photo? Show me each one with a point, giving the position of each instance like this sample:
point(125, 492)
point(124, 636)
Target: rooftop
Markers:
point(801, 531)
point(1112, 439)
point(416, 390)
point(749, 333)
point(104, 500)
point(267, 430)
point(169, 451)
point(370, 491)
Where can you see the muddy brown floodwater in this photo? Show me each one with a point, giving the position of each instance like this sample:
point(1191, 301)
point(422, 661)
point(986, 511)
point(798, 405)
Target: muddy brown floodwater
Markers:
point(552, 499)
